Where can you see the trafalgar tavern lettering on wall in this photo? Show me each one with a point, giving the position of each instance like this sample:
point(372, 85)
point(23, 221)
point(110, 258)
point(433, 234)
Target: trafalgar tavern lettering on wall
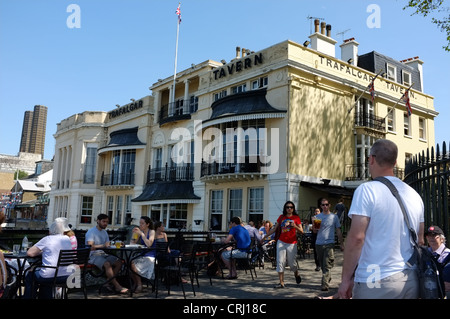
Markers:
point(361, 75)
point(238, 66)
point(126, 108)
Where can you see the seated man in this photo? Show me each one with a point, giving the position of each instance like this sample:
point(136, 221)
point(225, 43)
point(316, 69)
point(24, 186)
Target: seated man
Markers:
point(98, 238)
point(242, 239)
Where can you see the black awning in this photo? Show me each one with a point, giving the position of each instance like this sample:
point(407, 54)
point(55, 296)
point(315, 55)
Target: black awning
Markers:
point(124, 137)
point(330, 189)
point(250, 102)
point(159, 191)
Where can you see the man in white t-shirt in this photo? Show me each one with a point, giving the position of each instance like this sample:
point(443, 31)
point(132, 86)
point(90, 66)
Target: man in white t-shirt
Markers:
point(378, 244)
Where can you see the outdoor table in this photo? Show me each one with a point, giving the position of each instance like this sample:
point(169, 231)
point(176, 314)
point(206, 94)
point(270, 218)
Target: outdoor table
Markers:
point(127, 254)
point(22, 259)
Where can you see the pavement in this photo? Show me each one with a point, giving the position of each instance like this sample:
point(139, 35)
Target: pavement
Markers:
point(261, 288)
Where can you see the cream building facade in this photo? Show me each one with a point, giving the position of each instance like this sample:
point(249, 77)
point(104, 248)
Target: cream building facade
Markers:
point(240, 138)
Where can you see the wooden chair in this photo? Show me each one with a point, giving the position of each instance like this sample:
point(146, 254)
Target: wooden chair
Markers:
point(72, 257)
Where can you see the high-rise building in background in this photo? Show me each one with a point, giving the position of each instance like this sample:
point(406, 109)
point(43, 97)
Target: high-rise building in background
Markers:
point(33, 130)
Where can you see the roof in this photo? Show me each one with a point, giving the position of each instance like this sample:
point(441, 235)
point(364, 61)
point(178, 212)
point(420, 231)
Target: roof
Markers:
point(180, 192)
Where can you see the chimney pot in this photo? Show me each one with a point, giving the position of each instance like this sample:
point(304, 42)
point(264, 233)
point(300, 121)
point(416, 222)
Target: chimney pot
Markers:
point(238, 52)
point(316, 25)
point(323, 26)
point(328, 30)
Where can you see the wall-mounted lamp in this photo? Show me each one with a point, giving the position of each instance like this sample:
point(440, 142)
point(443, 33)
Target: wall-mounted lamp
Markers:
point(223, 61)
point(117, 105)
point(350, 61)
point(132, 100)
point(198, 221)
point(325, 181)
point(306, 43)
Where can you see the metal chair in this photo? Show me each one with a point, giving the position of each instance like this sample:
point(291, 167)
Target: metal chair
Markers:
point(73, 257)
point(249, 262)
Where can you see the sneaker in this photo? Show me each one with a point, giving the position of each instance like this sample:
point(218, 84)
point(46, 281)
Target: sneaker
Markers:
point(279, 286)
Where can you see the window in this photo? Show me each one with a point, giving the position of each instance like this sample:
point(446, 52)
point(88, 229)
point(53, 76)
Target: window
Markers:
point(256, 204)
point(177, 216)
point(119, 209)
point(172, 216)
point(193, 104)
point(219, 95)
point(391, 72)
point(129, 158)
point(89, 165)
point(391, 121)
point(87, 203)
point(235, 203)
point(216, 209)
point(406, 77)
point(110, 207)
point(127, 209)
point(406, 125)
point(239, 88)
point(422, 129)
point(260, 83)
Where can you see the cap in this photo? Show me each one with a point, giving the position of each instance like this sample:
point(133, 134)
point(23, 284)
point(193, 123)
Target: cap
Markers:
point(434, 230)
point(64, 221)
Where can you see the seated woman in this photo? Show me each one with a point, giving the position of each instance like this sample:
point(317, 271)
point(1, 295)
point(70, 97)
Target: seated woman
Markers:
point(49, 248)
point(144, 266)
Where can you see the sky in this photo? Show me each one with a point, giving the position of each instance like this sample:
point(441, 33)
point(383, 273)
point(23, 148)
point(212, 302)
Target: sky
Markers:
point(89, 55)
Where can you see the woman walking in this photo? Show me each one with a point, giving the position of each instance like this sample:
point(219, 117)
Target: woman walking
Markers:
point(288, 223)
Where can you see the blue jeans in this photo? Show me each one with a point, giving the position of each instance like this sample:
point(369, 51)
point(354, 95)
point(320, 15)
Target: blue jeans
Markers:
point(45, 285)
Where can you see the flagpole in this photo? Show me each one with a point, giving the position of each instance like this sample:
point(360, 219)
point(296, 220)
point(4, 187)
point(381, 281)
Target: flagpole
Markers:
point(176, 55)
point(398, 101)
point(357, 100)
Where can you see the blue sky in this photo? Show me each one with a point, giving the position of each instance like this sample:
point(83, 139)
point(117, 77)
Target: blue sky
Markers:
point(123, 46)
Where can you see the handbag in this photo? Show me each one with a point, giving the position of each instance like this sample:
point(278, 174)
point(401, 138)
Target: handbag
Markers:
point(421, 255)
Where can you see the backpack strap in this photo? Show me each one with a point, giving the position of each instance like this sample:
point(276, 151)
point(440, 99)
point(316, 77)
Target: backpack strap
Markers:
point(412, 232)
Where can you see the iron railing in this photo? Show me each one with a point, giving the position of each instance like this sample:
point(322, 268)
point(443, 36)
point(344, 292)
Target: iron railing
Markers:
point(171, 173)
point(429, 174)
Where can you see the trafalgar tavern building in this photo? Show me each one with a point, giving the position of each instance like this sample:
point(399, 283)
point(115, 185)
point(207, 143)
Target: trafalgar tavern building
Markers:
point(240, 138)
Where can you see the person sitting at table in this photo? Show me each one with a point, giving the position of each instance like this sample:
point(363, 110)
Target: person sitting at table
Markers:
point(143, 266)
point(98, 238)
point(48, 247)
point(242, 238)
point(69, 232)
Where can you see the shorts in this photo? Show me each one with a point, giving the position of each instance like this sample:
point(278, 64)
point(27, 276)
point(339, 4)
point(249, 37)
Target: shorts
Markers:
point(99, 260)
point(235, 253)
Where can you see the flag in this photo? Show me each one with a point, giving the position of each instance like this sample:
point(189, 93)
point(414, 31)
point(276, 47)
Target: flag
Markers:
point(372, 90)
point(405, 99)
point(178, 12)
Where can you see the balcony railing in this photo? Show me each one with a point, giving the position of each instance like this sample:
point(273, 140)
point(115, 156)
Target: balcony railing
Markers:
point(360, 172)
point(120, 179)
point(179, 110)
point(231, 168)
point(370, 121)
point(170, 173)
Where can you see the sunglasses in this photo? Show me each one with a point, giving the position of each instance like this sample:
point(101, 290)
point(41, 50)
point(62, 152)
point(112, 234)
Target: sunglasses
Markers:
point(289, 207)
point(324, 204)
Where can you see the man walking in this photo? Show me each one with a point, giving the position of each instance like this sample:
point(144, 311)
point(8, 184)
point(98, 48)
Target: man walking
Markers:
point(378, 244)
point(329, 226)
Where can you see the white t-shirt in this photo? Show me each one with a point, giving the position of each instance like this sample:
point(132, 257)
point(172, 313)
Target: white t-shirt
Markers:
point(387, 244)
point(50, 247)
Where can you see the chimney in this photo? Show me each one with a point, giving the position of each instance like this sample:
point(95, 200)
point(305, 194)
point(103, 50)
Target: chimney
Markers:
point(238, 52)
point(322, 41)
point(416, 64)
point(349, 50)
point(243, 52)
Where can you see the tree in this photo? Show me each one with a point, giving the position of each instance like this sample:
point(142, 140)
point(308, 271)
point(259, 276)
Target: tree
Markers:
point(436, 7)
